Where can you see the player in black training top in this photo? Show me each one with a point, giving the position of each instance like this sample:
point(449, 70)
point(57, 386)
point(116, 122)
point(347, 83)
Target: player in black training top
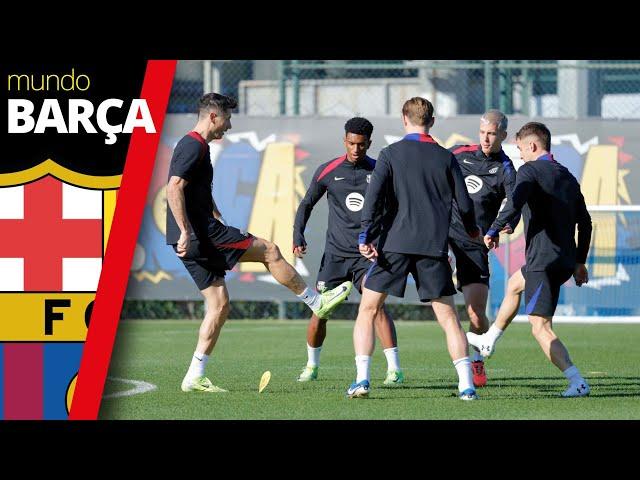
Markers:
point(208, 247)
point(344, 180)
point(417, 179)
point(490, 178)
point(551, 202)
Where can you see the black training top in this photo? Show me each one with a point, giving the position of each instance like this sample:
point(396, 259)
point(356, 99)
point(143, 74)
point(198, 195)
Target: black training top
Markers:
point(552, 204)
point(345, 184)
point(190, 161)
point(419, 179)
point(490, 179)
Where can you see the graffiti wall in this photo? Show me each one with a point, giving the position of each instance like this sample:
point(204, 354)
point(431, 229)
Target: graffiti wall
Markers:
point(263, 166)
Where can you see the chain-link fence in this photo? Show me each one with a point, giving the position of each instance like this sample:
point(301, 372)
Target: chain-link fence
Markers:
point(541, 88)
point(194, 310)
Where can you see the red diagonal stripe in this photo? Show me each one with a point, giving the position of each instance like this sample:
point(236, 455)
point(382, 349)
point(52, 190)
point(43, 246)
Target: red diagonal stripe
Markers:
point(124, 231)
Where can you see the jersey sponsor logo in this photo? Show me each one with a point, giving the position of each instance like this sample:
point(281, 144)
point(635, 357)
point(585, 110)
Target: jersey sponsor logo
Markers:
point(354, 202)
point(493, 170)
point(474, 183)
point(320, 286)
point(338, 178)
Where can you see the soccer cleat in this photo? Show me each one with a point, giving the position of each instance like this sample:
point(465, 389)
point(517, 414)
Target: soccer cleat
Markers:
point(578, 389)
point(200, 384)
point(360, 389)
point(394, 377)
point(482, 343)
point(479, 375)
point(308, 374)
point(468, 394)
point(330, 299)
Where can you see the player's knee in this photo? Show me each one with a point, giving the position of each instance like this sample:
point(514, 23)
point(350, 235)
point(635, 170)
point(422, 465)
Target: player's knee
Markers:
point(475, 314)
point(370, 309)
point(272, 252)
point(219, 309)
point(537, 329)
point(515, 286)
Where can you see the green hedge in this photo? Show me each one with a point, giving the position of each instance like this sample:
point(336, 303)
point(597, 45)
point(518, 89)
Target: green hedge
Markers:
point(154, 309)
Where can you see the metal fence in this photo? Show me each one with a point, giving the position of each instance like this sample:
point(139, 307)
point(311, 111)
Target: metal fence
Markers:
point(541, 88)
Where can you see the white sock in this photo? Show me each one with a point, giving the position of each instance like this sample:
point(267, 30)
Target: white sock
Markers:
point(393, 360)
point(573, 375)
point(198, 364)
point(476, 356)
point(313, 355)
point(311, 298)
point(465, 377)
point(362, 367)
point(494, 333)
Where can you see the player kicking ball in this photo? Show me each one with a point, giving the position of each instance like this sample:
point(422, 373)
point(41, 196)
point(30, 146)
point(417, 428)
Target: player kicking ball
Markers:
point(208, 247)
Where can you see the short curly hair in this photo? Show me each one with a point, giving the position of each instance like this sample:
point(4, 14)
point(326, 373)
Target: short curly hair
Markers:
point(359, 126)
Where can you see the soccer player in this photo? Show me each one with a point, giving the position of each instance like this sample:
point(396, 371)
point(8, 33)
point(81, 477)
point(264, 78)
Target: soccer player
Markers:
point(418, 180)
point(549, 197)
point(345, 180)
point(208, 247)
point(490, 178)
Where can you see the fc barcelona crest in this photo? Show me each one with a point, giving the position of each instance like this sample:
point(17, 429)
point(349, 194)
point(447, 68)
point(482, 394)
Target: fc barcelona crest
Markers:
point(54, 224)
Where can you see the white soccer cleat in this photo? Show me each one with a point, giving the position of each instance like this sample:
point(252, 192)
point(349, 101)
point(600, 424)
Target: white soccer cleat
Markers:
point(578, 389)
point(482, 343)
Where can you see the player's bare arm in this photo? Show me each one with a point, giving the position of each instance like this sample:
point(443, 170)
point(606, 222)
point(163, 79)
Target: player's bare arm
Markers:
point(175, 197)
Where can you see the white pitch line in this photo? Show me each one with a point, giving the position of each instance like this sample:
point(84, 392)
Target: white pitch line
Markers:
point(139, 387)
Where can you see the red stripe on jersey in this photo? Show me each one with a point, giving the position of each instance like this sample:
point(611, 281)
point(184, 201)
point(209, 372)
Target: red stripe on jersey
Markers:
point(332, 166)
point(426, 138)
point(466, 148)
point(198, 137)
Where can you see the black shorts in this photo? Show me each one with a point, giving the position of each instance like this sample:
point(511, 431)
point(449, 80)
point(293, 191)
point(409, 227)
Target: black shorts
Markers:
point(542, 290)
point(432, 275)
point(207, 261)
point(335, 269)
point(472, 262)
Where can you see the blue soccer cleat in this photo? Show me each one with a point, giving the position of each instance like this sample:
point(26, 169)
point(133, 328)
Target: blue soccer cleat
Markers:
point(357, 390)
point(468, 394)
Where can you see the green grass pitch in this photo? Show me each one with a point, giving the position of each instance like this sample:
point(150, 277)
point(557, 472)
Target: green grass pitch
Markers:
point(522, 383)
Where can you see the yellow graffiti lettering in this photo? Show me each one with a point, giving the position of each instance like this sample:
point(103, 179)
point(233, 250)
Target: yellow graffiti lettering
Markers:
point(275, 202)
point(154, 278)
point(456, 139)
point(599, 184)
